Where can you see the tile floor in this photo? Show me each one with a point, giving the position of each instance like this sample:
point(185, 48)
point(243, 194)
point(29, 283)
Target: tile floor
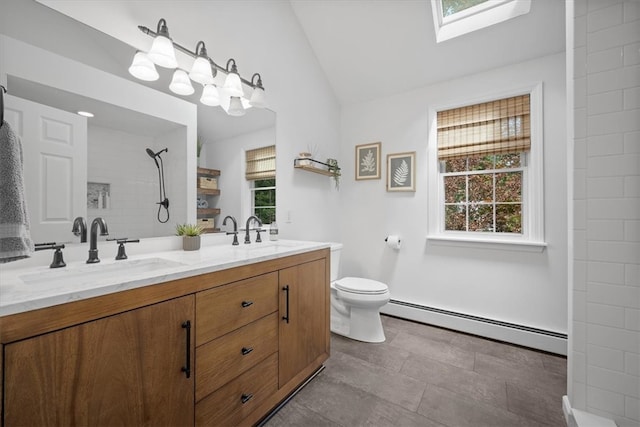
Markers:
point(427, 376)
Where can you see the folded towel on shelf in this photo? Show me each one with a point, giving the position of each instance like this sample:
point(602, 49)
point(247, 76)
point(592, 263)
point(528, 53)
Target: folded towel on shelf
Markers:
point(15, 237)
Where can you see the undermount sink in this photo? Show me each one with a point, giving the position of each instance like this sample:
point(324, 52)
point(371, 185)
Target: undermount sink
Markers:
point(95, 271)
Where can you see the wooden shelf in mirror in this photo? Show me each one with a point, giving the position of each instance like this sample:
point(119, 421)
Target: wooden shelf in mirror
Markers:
point(208, 172)
point(208, 191)
point(208, 211)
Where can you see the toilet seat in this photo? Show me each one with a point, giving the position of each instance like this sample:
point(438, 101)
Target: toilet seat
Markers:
point(358, 285)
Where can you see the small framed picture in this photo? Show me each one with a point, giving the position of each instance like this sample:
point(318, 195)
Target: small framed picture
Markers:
point(401, 172)
point(368, 161)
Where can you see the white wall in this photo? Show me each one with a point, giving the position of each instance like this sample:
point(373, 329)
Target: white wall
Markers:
point(605, 348)
point(518, 287)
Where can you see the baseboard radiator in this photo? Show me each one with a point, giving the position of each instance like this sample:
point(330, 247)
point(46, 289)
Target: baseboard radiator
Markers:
point(553, 342)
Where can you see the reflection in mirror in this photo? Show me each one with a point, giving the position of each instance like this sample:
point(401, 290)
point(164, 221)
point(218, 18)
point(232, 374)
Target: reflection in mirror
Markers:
point(123, 179)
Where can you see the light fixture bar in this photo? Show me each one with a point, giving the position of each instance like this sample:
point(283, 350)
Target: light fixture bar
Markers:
point(186, 51)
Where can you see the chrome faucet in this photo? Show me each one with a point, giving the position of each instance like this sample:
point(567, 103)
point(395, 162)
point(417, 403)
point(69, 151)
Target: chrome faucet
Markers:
point(93, 242)
point(235, 228)
point(247, 238)
point(80, 229)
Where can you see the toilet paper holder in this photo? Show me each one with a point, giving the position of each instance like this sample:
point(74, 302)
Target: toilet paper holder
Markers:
point(393, 241)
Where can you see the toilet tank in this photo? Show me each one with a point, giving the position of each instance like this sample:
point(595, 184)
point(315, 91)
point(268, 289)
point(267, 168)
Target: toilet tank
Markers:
point(335, 260)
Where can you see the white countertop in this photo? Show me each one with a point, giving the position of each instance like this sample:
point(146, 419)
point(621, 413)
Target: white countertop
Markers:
point(31, 288)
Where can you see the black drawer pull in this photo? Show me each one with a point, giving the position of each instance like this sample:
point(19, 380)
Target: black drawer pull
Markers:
point(246, 350)
point(286, 316)
point(246, 397)
point(246, 303)
point(187, 369)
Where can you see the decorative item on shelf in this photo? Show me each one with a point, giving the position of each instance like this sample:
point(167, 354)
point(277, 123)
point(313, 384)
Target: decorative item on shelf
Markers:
point(333, 167)
point(208, 183)
point(202, 203)
point(305, 159)
point(231, 96)
point(190, 236)
point(207, 224)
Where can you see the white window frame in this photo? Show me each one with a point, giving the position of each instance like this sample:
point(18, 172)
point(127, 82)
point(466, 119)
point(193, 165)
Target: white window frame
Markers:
point(532, 238)
point(252, 190)
point(474, 18)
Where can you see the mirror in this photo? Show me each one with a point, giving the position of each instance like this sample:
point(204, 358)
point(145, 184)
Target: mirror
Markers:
point(116, 163)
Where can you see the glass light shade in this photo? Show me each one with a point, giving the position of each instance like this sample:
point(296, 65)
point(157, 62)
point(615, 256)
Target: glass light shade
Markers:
point(246, 104)
point(210, 96)
point(201, 71)
point(162, 52)
point(235, 107)
point(142, 68)
point(233, 85)
point(258, 98)
point(180, 83)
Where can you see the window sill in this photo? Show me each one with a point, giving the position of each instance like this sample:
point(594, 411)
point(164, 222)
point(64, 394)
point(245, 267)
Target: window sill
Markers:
point(484, 243)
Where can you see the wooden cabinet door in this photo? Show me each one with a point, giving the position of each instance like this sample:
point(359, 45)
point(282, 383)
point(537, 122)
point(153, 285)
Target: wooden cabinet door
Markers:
point(304, 330)
point(125, 369)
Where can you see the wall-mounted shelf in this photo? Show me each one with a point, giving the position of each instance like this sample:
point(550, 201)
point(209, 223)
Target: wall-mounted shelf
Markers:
point(209, 191)
point(208, 212)
point(314, 166)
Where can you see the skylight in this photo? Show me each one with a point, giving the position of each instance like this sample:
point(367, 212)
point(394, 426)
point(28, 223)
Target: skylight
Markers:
point(453, 18)
point(449, 7)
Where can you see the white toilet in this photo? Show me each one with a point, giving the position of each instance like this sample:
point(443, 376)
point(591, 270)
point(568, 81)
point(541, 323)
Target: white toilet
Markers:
point(356, 303)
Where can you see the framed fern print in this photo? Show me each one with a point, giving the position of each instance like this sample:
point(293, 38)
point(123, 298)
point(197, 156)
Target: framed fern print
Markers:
point(368, 161)
point(401, 171)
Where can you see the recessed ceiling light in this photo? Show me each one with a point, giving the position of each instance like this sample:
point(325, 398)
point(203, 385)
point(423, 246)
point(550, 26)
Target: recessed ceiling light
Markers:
point(85, 113)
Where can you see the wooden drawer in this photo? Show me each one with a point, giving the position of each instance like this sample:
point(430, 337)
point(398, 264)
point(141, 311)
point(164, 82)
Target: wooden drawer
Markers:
point(229, 307)
point(225, 406)
point(221, 360)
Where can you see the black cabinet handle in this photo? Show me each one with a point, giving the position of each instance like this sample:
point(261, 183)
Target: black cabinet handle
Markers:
point(246, 350)
point(286, 316)
point(246, 397)
point(187, 369)
point(246, 303)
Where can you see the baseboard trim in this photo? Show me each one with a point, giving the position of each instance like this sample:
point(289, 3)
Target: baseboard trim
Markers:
point(553, 342)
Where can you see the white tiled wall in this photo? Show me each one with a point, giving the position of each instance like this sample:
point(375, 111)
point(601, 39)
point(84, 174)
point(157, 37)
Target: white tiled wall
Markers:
point(606, 289)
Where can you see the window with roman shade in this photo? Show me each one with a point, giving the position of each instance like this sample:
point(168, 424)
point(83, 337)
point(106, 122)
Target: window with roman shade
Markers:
point(261, 163)
point(502, 126)
point(481, 153)
point(261, 175)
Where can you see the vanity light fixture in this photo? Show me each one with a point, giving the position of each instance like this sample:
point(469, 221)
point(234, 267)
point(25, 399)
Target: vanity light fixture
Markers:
point(203, 70)
point(235, 107)
point(143, 68)
point(85, 114)
point(180, 83)
point(210, 96)
point(162, 52)
point(257, 97)
point(232, 84)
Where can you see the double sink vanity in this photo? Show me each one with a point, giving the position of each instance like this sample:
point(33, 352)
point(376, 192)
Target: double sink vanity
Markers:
point(216, 337)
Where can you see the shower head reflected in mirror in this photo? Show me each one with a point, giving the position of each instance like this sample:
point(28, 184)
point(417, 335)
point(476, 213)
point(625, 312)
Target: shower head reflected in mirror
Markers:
point(164, 202)
point(154, 155)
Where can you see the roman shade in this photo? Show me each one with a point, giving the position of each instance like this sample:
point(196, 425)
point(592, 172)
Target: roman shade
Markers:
point(261, 163)
point(501, 126)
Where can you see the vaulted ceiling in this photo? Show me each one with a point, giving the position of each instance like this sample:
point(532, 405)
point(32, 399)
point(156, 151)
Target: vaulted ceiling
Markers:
point(367, 48)
point(372, 49)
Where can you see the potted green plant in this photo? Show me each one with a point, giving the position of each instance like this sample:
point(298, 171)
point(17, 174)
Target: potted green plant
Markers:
point(190, 236)
point(335, 171)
